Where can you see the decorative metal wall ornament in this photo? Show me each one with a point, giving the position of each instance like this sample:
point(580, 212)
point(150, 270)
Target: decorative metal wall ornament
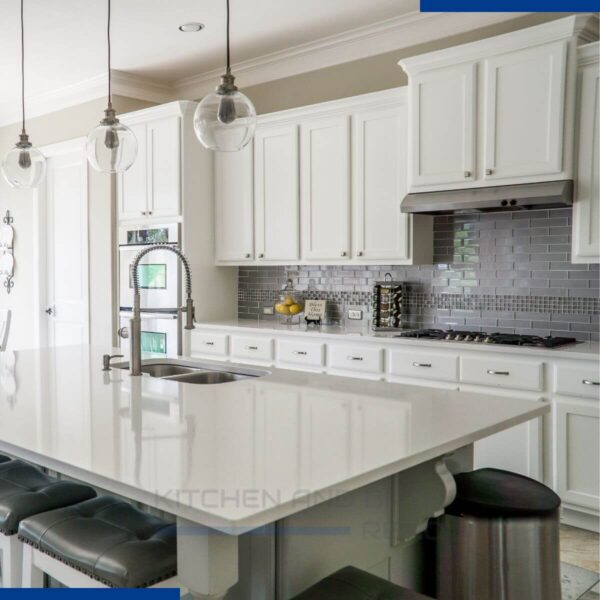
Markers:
point(7, 259)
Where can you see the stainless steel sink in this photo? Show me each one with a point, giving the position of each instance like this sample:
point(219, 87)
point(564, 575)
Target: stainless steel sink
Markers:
point(185, 371)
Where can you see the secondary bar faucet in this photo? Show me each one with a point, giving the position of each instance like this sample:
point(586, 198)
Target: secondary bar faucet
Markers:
point(135, 364)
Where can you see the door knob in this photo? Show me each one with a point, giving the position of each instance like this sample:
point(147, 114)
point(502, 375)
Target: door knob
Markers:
point(359, 253)
point(343, 253)
point(49, 311)
point(123, 333)
point(489, 171)
point(467, 173)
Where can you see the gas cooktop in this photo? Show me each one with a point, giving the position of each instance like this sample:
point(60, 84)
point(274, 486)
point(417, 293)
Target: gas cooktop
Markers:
point(509, 339)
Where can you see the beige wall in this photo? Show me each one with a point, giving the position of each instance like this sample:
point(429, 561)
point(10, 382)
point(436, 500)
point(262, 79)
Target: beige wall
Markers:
point(66, 124)
point(367, 75)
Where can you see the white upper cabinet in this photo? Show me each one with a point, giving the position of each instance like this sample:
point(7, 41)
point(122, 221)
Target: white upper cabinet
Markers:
point(443, 126)
point(277, 193)
point(234, 206)
point(523, 104)
point(151, 187)
point(497, 111)
point(325, 188)
point(379, 168)
point(586, 211)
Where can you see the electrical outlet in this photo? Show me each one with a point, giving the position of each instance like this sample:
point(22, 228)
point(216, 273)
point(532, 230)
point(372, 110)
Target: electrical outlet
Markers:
point(268, 310)
point(355, 315)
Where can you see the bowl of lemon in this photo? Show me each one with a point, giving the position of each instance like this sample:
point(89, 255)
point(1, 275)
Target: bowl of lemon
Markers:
point(290, 304)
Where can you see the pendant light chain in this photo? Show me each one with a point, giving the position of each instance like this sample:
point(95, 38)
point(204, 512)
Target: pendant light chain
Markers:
point(108, 46)
point(228, 50)
point(22, 70)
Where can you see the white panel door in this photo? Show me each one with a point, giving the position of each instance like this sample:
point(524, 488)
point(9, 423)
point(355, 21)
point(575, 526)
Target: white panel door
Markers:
point(164, 167)
point(132, 187)
point(325, 188)
point(578, 460)
point(66, 196)
point(524, 112)
point(234, 206)
point(277, 193)
point(443, 115)
point(380, 144)
point(586, 211)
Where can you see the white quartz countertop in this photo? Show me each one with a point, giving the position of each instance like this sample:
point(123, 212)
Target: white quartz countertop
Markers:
point(582, 350)
point(233, 456)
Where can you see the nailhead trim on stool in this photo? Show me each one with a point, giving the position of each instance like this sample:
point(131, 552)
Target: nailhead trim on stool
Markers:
point(108, 540)
point(351, 583)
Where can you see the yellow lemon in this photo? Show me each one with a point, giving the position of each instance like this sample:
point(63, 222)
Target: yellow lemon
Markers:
point(282, 309)
point(288, 301)
point(295, 309)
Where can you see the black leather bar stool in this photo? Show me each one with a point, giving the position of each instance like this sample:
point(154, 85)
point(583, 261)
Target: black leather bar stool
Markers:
point(102, 542)
point(24, 491)
point(351, 583)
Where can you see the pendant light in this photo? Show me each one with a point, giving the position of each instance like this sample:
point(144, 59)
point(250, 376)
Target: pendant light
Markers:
point(111, 147)
point(225, 120)
point(24, 165)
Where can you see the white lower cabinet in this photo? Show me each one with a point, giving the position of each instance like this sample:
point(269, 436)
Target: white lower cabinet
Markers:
point(577, 424)
point(358, 360)
point(489, 370)
point(252, 349)
point(434, 366)
point(298, 354)
point(213, 345)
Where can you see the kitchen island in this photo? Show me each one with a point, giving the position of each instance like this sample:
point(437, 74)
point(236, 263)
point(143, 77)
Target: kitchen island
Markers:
point(255, 470)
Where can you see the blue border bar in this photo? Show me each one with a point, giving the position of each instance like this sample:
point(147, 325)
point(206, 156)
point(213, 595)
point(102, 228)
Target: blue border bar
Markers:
point(510, 6)
point(89, 594)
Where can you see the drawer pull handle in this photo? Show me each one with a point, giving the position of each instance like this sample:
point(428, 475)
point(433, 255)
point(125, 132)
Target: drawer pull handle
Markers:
point(209, 343)
point(251, 347)
point(588, 382)
point(300, 352)
point(355, 358)
point(492, 372)
point(416, 364)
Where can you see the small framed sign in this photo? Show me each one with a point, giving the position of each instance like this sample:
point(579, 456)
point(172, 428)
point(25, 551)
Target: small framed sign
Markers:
point(314, 311)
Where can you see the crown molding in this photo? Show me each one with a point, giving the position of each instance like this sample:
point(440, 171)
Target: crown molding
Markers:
point(123, 84)
point(588, 54)
point(385, 36)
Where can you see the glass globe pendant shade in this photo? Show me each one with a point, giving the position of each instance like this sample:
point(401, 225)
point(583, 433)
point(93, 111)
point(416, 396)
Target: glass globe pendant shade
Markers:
point(24, 166)
point(112, 146)
point(225, 120)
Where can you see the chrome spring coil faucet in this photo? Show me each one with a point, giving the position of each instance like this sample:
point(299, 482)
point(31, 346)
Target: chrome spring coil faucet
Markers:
point(136, 321)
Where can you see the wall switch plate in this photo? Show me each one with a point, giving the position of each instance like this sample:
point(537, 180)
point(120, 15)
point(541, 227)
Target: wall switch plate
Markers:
point(268, 310)
point(355, 315)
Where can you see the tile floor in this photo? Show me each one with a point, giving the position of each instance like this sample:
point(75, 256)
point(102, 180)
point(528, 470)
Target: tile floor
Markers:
point(580, 568)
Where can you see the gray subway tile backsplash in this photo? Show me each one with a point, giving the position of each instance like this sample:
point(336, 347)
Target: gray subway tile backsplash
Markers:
point(507, 272)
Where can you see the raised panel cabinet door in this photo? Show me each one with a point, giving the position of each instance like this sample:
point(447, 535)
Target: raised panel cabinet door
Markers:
point(234, 206)
point(132, 186)
point(524, 112)
point(578, 461)
point(380, 148)
point(443, 125)
point(586, 211)
point(277, 193)
point(164, 167)
point(325, 188)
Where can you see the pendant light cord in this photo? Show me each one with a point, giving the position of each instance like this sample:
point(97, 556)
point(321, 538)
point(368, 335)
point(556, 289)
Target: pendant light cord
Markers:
point(22, 71)
point(109, 71)
point(228, 51)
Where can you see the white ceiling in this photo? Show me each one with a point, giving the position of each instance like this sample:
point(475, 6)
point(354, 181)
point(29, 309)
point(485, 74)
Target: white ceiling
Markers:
point(65, 39)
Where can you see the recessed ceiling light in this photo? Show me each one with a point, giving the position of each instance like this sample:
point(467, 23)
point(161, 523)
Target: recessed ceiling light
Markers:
point(191, 27)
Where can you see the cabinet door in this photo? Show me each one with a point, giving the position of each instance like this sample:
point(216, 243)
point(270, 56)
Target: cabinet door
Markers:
point(578, 461)
point(523, 108)
point(443, 126)
point(380, 144)
point(277, 193)
point(164, 167)
point(234, 211)
point(133, 184)
point(325, 188)
point(586, 211)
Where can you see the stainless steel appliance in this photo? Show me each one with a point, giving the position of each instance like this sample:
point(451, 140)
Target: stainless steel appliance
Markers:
point(160, 278)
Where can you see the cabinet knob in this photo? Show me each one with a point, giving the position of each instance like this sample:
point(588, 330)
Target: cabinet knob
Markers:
point(144, 212)
point(588, 382)
point(261, 255)
point(248, 255)
point(359, 253)
point(343, 253)
point(149, 212)
point(489, 171)
point(467, 173)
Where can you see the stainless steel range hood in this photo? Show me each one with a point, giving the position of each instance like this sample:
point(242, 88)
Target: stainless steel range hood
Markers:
point(551, 194)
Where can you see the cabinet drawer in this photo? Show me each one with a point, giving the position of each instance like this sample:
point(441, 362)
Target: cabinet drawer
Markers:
point(310, 354)
point(210, 343)
point(254, 348)
point(356, 358)
point(424, 365)
point(577, 380)
point(499, 372)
